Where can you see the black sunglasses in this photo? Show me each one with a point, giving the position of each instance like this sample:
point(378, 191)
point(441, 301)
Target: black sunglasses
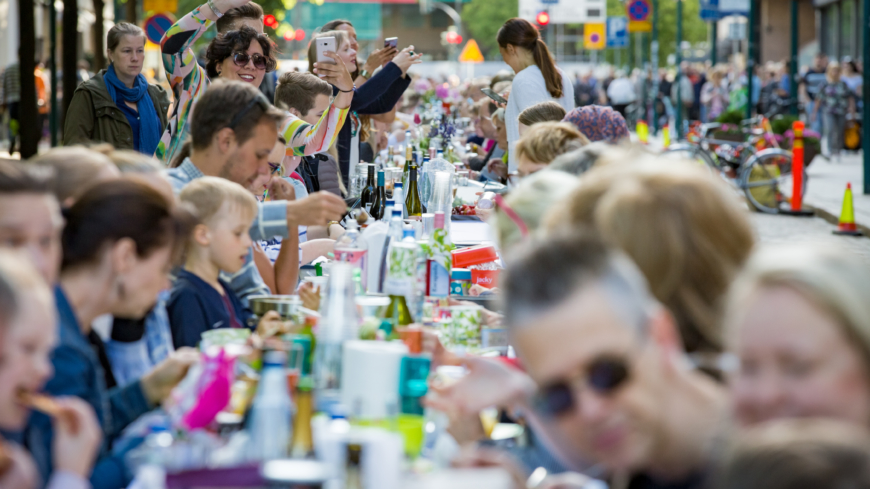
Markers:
point(260, 100)
point(260, 62)
point(604, 376)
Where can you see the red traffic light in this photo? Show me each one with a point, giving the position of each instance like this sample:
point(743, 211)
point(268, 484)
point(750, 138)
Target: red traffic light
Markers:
point(453, 38)
point(300, 35)
point(543, 18)
point(270, 20)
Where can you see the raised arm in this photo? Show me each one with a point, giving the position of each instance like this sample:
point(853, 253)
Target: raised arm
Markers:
point(179, 61)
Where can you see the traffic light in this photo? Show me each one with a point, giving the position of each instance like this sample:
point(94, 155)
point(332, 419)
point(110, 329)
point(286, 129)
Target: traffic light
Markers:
point(543, 18)
point(270, 20)
point(450, 36)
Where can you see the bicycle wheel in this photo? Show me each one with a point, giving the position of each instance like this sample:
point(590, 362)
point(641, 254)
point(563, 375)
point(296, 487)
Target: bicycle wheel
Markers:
point(767, 180)
point(695, 154)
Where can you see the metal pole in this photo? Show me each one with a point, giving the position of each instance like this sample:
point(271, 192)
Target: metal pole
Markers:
point(52, 69)
point(679, 79)
point(654, 58)
point(751, 55)
point(714, 36)
point(793, 64)
point(866, 125)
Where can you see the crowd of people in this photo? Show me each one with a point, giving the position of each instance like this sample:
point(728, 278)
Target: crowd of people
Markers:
point(658, 344)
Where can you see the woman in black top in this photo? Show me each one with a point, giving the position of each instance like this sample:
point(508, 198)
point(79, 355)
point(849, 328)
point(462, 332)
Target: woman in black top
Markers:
point(377, 96)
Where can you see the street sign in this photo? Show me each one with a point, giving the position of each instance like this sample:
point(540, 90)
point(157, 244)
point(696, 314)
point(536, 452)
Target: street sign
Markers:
point(617, 32)
point(471, 53)
point(594, 36)
point(713, 10)
point(160, 5)
point(157, 25)
point(639, 15)
point(565, 11)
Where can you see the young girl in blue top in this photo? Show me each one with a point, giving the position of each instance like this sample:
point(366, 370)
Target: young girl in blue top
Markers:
point(201, 300)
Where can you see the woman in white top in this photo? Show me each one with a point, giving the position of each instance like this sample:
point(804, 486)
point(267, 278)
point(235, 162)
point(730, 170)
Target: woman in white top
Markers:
point(537, 80)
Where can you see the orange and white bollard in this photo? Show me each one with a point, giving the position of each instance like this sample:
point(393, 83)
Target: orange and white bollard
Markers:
point(797, 172)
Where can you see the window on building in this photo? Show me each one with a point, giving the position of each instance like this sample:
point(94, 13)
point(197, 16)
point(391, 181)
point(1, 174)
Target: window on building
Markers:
point(831, 31)
point(410, 16)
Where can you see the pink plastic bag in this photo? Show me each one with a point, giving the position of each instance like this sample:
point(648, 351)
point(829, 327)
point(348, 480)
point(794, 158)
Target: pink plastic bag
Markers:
point(204, 392)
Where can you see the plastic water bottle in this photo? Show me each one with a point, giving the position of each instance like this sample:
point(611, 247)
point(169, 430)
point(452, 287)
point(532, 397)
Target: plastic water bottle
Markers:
point(339, 322)
point(270, 424)
point(396, 230)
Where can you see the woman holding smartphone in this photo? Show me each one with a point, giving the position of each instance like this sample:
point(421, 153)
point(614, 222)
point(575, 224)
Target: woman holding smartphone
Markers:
point(242, 55)
point(537, 77)
point(379, 95)
point(378, 58)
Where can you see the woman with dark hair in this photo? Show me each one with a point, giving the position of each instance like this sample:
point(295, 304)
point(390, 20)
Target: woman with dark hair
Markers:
point(537, 77)
point(242, 55)
point(118, 106)
point(378, 96)
point(120, 240)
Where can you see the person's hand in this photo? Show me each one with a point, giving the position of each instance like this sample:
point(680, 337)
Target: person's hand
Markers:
point(310, 296)
point(77, 436)
point(440, 355)
point(158, 383)
point(225, 5)
point(471, 457)
point(379, 58)
point(271, 324)
point(489, 382)
point(280, 189)
point(405, 59)
point(316, 210)
point(498, 167)
point(335, 74)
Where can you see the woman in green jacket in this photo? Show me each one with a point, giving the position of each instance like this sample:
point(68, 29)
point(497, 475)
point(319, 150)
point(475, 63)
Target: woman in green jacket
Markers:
point(118, 106)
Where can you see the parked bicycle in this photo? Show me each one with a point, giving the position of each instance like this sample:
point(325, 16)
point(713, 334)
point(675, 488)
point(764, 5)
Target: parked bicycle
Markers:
point(754, 165)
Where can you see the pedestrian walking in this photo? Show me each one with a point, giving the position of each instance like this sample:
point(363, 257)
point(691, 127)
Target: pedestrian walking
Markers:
point(833, 100)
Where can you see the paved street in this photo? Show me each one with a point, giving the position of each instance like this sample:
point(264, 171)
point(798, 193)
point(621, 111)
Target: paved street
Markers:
point(773, 230)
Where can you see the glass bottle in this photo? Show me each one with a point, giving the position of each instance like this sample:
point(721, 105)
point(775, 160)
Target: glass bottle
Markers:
point(303, 445)
point(412, 201)
point(367, 195)
point(351, 248)
point(401, 275)
point(380, 200)
point(339, 322)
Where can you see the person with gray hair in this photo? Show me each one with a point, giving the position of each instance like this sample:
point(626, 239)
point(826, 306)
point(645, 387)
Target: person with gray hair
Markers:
point(579, 161)
point(606, 378)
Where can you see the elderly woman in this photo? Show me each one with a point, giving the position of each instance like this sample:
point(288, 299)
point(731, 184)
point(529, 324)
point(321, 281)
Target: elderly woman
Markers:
point(799, 321)
point(118, 106)
point(599, 123)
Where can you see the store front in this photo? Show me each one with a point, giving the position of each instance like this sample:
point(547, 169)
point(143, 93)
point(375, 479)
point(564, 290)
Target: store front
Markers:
point(839, 28)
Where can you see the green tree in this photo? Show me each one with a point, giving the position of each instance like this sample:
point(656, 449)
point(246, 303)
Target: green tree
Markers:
point(483, 18)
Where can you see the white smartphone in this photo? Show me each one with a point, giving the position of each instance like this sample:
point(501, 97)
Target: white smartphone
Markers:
point(323, 45)
point(392, 42)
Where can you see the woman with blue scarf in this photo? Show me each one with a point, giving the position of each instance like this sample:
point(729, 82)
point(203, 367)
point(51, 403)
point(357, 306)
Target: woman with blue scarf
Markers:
point(119, 106)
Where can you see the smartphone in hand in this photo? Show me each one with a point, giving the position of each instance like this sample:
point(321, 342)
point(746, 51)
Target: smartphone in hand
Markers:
point(391, 42)
point(494, 96)
point(325, 44)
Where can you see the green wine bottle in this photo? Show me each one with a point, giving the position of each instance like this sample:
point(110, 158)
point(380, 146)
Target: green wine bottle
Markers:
point(398, 311)
point(413, 206)
point(380, 202)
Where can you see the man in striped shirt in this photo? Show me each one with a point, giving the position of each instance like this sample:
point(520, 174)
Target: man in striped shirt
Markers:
point(11, 88)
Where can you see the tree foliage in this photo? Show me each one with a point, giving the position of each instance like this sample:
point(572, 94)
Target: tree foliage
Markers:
point(483, 18)
point(694, 29)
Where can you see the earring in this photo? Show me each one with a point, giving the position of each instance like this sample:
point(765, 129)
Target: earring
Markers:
point(120, 290)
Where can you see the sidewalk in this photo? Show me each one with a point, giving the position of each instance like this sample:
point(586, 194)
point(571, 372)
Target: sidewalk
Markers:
point(826, 185)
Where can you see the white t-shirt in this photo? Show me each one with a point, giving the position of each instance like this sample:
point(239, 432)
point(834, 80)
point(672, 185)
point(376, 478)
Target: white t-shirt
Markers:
point(528, 89)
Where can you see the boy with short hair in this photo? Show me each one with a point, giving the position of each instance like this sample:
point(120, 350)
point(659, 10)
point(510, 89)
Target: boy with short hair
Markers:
point(200, 300)
point(306, 96)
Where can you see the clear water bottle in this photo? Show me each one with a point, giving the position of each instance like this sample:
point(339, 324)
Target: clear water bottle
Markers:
point(396, 230)
point(339, 322)
point(270, 423)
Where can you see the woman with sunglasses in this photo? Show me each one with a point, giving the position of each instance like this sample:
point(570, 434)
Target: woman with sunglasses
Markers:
point(378, 96)
point(242, 55)
point(118, 106)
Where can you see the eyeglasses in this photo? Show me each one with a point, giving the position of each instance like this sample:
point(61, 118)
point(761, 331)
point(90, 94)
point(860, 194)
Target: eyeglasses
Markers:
point(604, 376)
point(260, 62)
point(260, 100)
point(274, 168)
point(512, 215)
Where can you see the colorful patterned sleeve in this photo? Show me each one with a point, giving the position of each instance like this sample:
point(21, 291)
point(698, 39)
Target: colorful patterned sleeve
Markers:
point(187, 79)
point(303, 139)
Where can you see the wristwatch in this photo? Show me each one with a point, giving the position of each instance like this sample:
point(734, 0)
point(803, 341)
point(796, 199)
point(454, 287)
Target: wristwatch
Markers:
point(214, 9)
point(365, 74)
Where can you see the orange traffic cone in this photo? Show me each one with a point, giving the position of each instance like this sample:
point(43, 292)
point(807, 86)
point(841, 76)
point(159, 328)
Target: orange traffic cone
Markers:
point(847, 216)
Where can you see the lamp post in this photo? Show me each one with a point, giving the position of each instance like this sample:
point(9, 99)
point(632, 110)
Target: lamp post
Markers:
point(679, 59)
point(751, 55)
point(654, 61)
point(866, 126)
point(793, 64)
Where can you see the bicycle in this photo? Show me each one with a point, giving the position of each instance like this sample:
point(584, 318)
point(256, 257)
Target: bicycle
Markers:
point(763, 173)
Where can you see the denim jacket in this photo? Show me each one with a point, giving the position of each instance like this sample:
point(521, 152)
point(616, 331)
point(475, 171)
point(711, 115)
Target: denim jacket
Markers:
point(77, 372)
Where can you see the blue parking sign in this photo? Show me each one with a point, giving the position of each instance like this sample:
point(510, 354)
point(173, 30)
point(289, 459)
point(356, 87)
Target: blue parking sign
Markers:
point(617, 32)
